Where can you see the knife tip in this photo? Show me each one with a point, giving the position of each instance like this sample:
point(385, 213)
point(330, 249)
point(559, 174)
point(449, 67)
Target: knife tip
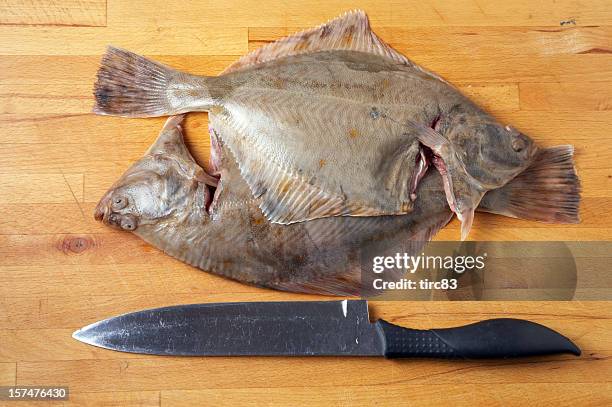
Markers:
point(77, 335)
point(81, 335)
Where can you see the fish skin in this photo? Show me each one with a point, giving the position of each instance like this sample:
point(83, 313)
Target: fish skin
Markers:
point(348, 100)
point(166, 200)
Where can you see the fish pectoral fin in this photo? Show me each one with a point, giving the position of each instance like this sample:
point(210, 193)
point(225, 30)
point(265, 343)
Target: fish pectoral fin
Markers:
point(202, 176)
point(466, 217)
point(351, 31)
point(463, 192)
point(438, 144)
point(402, 171)
point(465, 197)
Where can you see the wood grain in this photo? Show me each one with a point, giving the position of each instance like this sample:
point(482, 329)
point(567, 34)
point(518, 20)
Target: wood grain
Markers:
point(254, 13)
point(41, 188)
point(104, 399)
point(203, 40)
point(181, 373)
point(415, 395)
point(468, 42)
point(7, 374)
point(544, 67)
point(52, 12)
point(553, 96)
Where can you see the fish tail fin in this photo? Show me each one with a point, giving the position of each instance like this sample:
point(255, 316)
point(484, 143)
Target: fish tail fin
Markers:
point(547, 191)
point(131, 85)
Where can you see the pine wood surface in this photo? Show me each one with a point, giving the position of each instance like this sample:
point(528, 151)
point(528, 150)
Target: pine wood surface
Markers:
point(545, 67)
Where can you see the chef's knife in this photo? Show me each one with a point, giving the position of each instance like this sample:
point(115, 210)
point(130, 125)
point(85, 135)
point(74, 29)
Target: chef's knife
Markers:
point(311, 328)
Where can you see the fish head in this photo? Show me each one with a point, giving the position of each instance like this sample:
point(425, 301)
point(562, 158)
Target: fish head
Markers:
point(165, 184)
point(143, 195)
point(475, 154)
point(490, 153)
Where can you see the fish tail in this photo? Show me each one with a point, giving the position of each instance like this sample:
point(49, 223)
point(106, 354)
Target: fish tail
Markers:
point(547, 191)
point(131, 85)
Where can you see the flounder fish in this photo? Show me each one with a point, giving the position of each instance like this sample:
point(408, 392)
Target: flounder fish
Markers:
point(216, 224)
point(333, 122)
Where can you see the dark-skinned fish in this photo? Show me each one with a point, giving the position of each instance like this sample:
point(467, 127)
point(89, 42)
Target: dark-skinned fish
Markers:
point(167, 199)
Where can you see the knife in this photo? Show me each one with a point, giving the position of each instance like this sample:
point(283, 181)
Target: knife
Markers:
point(311, 328)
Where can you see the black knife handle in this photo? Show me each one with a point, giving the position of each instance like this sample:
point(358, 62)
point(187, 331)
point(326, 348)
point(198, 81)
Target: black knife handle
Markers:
point(493, 338)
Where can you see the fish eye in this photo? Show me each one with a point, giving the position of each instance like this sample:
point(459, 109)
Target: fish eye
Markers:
point(128, 223)
point(119, 202)
point(518, 143)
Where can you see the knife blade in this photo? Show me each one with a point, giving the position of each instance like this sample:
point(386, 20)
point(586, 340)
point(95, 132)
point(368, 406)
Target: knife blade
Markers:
point(311, 328)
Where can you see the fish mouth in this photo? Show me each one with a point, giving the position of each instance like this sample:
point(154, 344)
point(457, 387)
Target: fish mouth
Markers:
point(102, 211)
point(104, 214)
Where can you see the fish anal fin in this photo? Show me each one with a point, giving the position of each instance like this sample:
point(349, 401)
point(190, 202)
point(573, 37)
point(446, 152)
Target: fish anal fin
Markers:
point(348, 284)
point(351, 31)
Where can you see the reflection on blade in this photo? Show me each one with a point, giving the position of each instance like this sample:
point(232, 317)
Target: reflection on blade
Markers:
point(234, 329)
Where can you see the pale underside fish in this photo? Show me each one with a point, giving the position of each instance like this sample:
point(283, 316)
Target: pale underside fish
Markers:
point(166, 199)
point(333, 122)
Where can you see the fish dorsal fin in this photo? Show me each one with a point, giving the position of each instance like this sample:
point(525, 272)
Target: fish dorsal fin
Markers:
point(351, 31)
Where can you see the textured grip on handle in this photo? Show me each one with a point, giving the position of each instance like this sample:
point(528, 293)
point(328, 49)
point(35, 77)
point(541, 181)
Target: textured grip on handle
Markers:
point(406, 342)
point(493, 338)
